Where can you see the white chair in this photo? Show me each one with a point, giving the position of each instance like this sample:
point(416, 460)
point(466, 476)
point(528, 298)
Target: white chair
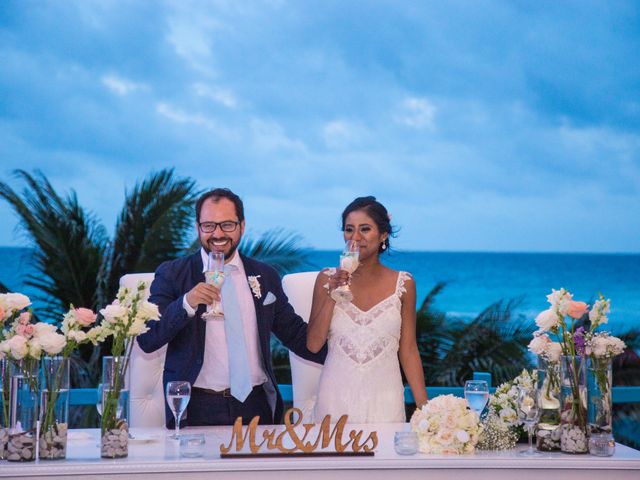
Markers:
point(145, 390)
point(305, 375)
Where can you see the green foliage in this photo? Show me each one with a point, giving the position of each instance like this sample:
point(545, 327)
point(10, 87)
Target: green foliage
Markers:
point(68, 244)
point(452, 349)
point(277, 247)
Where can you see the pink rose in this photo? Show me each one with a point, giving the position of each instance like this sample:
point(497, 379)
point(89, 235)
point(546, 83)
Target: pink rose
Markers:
point(85, 316)
point(577, 309)
point(24, 318)
point(20, 330)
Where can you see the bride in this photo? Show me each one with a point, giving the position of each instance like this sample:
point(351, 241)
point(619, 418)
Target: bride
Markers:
point(368, 335)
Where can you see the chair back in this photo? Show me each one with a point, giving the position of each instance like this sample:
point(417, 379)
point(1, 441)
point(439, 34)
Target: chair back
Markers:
point(146, 407)
point(305, 375)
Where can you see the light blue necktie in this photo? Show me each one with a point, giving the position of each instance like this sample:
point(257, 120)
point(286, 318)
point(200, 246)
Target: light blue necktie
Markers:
point(239, 374)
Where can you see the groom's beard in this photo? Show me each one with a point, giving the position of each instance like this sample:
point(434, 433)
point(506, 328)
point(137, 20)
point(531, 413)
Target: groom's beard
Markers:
point(228, 250)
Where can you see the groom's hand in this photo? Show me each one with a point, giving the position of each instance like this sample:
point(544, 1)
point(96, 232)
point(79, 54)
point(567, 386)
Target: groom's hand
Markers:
point(202, 293)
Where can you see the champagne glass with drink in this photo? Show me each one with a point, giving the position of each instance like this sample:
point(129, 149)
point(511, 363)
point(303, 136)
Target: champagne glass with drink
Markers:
point(349, 261)
point(214, 275)
point(178, 395)
point(476, 392)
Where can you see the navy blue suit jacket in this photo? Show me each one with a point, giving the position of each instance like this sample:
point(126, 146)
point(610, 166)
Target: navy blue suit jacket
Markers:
point(185, 335)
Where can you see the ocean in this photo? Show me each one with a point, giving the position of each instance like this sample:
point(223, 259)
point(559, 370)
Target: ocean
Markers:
point(475, 280)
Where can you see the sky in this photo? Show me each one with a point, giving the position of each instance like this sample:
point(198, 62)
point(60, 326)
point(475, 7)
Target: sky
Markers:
point(481, 125)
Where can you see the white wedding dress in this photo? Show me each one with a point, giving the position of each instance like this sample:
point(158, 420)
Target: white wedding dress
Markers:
point(361, 375)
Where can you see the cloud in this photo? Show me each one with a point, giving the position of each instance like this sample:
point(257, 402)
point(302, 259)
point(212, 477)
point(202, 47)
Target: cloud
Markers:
point(217, 94)
point(416, 113)
point(121, 86)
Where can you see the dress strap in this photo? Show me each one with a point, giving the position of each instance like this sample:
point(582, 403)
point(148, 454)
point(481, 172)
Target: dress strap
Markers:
point(402, 277)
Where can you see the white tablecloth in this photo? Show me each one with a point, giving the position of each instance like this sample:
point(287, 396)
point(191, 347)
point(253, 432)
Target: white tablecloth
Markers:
point(153, 456)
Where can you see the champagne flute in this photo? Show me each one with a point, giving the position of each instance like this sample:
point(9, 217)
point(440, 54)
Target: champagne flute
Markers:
point(349, 261)
point(528, 413)
point(178, 395)
point(476, 392)
point(214, 275)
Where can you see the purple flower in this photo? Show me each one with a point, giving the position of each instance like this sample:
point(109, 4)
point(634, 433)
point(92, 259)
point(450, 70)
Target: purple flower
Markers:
point(578, 340)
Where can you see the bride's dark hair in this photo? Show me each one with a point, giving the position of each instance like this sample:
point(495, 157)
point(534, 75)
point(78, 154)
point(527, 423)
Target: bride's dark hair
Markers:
point(378, 214)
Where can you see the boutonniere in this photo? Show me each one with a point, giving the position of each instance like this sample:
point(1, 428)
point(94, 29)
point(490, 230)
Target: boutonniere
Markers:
point(255, 285)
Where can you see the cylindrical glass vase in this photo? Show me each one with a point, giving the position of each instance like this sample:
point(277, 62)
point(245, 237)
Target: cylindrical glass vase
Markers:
point(599, 414)
point(5, 381)
point(574, 436)
point(23, 411)
point(115, 407)
point(54, 408)
point(548, 428)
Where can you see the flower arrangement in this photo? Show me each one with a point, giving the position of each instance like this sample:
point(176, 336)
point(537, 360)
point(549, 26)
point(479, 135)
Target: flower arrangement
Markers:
point(446, 426)
point(24, 342)
point(575, 344)
point(501, 425)
point(53, 427)
point(123, 320)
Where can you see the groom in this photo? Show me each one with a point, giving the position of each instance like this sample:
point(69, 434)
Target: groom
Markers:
point(228, 361)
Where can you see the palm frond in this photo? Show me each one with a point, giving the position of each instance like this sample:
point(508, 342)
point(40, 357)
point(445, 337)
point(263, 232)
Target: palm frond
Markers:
point(277, 247)
point(493, 342)
point(68, 243)
point(428, 300)
point(152, 227)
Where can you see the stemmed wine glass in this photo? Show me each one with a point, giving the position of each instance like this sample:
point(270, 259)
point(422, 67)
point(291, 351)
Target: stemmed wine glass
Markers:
point(476, 392)
point(528, 413)
point(214, 275)
point(349, 261)
point(178, 395)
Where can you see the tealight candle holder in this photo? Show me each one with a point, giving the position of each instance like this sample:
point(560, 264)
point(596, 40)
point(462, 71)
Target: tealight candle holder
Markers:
point(192, 445)
point(406, 443)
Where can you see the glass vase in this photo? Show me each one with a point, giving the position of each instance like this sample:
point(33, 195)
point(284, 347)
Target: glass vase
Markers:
point(548, 428)
point(23, 411)
point(573, 416)
point(5, 381)
point(114, 441)
point(54, 408)
point(599, 414)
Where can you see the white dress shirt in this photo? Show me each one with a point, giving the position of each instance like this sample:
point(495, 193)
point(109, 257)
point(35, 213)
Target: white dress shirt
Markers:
point(215, 367)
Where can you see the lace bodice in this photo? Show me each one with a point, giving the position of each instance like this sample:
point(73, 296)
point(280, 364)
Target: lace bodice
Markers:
point(361, 376)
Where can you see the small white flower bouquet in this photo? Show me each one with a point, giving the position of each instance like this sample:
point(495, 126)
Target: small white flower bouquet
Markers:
point(446, 426)
point(501, 425)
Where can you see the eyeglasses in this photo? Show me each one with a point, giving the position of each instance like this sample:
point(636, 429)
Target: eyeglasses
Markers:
point(226, 226)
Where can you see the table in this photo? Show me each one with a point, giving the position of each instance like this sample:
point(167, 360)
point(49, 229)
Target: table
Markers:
point(152, 455)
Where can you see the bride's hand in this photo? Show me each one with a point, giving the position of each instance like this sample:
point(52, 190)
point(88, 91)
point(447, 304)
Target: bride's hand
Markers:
point(341, 277)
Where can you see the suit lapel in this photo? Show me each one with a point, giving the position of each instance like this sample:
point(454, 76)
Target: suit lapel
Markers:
point(251, 268)
point(197, 276)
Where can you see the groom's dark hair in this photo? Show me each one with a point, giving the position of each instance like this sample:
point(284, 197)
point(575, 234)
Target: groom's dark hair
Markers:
point(216, 194)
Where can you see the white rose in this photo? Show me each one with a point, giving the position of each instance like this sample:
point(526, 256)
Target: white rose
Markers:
point(18, 347)
point(547, 319)
point(148, 311)
point(52, 343)
point(42, 328)
point(16, 301)
point(538, 344)
point(462, 436)
point(114, 313)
